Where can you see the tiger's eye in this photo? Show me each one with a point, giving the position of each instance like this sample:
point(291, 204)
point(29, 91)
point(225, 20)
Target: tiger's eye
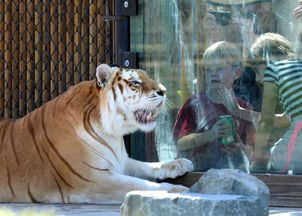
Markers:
point(136, 83)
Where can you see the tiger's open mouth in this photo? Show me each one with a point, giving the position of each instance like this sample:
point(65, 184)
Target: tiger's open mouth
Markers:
point(144, 116)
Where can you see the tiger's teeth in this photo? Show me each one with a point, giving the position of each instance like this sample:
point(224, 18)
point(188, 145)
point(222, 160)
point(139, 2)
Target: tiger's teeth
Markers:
point(149, 115)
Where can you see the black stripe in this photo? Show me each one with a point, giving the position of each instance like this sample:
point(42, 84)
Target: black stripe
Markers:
point(57, 152)
point(121, 88)
point(269, 74)
point(91, 131)
point(114, 94)
point(294, 107)
point(291, 93)
point(289, 86)
point(288, 66)
point(292, 101)
point(33, 136)
point(96, 152)
point(68, 101)
point(287, 62)
point(296, 114)
point(92, 167)
point(295, 73)
point(60, 189)
point(55, 169)
point(9, 182)
point(12, 141)
point(32, 198)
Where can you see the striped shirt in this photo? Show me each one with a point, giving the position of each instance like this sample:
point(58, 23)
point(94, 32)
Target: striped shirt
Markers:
point(287, 75)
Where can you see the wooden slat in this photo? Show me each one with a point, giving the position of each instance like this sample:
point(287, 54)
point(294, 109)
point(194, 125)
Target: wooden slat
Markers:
point(93, 61)
point(23, 58)
point(62, 46)
point(2, 59)
point(46, 51)
point(286, 201)
point(84, 70)
point(100, 30)
point(38, 52)
point(30, 41)
point(69, 42)
point(77, 40)
point(15, 59)
point(8, 60)
point(54, 43)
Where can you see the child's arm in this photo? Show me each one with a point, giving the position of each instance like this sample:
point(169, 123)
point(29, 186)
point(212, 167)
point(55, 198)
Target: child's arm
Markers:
point(228, 99)
point(193, 140)
point(270, 97)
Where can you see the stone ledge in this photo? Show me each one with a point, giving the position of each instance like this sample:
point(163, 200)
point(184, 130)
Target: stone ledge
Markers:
point(105, 210)
point(161, 203)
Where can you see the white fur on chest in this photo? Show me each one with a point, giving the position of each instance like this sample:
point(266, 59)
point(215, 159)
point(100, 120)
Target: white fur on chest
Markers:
point(108, 155)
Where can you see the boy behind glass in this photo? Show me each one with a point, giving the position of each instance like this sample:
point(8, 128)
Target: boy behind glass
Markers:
point(198, 129)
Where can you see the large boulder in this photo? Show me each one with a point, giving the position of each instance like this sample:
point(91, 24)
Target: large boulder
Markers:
point(223, 192)
point(237, 182)
point(161, 203)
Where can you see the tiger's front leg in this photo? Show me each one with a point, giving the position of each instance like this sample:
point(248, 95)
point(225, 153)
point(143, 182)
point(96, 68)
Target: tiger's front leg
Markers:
point(111, 187)
point(159, 170)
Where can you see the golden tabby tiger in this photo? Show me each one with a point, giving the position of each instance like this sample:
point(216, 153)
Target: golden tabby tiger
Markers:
point(71, 149)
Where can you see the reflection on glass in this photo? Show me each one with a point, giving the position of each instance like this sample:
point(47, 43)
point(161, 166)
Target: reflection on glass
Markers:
point(209, 129)
point(171, 38)
point(282, 82)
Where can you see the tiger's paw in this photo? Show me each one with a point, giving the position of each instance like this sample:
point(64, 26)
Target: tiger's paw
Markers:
point(175, 168)
point(171, 188)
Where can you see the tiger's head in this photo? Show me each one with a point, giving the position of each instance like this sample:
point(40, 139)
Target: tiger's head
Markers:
point(133, 99)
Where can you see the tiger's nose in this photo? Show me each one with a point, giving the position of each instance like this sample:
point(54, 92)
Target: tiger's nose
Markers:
point(161, 90)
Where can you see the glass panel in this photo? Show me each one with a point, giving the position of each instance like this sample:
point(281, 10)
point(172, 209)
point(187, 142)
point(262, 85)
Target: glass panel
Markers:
point(216, 90)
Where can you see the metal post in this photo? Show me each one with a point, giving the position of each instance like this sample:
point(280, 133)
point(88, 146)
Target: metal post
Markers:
point(122, 54)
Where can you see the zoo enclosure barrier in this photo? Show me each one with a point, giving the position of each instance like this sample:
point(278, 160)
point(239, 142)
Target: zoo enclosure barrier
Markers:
point(47, 46)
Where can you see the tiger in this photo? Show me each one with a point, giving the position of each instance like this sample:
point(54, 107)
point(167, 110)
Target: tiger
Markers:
point(71, 149)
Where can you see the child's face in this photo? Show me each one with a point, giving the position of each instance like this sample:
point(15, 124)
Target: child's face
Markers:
point(222, 73)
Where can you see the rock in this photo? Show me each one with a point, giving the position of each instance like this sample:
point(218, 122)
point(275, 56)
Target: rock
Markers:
point(161, 203)
point(221, 192)
point(236, 182)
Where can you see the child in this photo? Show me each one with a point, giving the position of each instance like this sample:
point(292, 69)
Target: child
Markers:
point(282, 83)
point(198, 129)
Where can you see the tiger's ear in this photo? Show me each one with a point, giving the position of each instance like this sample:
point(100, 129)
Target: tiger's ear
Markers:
point(103, 72)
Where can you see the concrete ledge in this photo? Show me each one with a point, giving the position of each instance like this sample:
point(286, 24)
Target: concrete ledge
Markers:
point(161, 203)
point(107, 210)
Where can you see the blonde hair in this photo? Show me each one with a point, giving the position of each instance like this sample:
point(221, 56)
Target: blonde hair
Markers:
point(222, 50)
point(272, 46)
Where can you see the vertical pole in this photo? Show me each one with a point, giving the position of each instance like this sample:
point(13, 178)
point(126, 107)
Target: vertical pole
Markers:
point(122, 56)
